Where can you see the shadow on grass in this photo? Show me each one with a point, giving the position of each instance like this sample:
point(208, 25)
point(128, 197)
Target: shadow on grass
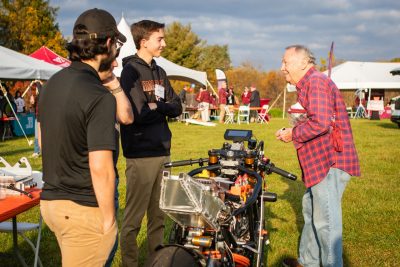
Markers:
point(16, 152)
point(388, 125)
point(293, 195)
point(49, 252)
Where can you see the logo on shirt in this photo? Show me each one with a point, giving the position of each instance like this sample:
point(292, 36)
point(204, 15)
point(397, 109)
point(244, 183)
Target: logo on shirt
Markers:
point(148, 86)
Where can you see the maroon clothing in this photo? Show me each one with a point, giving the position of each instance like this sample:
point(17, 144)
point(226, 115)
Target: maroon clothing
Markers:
point(204, 96)
point(222, 94)
point(246, 98)
point(319, 95)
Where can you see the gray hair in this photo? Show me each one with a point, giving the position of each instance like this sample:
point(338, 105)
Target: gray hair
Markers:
point(307, 52)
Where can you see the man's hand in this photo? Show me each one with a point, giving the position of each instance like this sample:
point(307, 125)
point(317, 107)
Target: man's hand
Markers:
point(111, 82)
point(107, 223)
point(284, 134)
point(152, 106)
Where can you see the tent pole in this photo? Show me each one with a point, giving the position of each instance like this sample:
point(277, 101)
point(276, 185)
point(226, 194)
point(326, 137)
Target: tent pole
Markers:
point(16, 117)
point(29, 87)
point(273, 103)
point(212, 88)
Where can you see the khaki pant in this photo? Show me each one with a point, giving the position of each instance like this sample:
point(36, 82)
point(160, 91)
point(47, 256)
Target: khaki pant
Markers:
point(221, 112)
point(143, 186)
point(79, 232)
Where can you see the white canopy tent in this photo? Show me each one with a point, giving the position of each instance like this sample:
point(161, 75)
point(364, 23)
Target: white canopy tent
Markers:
point(365, 75)
point(18, 66)
point(173, 70)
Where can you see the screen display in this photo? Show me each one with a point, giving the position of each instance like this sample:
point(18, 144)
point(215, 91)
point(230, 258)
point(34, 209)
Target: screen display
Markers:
point(237, 135)
point(233, 133)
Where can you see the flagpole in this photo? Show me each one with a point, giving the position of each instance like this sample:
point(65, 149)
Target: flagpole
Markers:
point(330, 60)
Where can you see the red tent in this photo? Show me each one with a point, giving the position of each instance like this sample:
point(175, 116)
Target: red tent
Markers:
point(51, 57)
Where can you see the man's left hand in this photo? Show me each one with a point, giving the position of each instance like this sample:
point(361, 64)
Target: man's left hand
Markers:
point(152, 106)
point(111, 82)
point(284, 135)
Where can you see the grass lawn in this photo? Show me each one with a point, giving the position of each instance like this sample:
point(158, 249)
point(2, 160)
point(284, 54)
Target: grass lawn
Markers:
point(371, 210)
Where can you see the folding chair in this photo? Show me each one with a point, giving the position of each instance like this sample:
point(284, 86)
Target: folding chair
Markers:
point(244, 113)
point(263, 114)
point(185, 115)
point(229, 116)
point(22, 227)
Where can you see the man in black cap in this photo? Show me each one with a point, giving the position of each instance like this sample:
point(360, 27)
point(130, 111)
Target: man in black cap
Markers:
point(78, 141)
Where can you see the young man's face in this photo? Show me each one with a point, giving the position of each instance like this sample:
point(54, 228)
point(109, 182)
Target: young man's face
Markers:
point(155, 44)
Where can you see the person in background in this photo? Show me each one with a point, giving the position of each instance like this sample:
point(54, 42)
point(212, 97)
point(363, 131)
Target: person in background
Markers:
point(222, 95)
point(146, 143)
point(182, 97)
point(5, 107)
point(213, 105)
point(204, 104)
point(254, 102)
point(246, 95)
point(231, 99)
point(78, 197)
point(36, 143)
point(19, 102)
point(327, 156)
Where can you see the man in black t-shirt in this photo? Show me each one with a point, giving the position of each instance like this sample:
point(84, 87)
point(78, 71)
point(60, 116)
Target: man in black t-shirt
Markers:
point(77, 116)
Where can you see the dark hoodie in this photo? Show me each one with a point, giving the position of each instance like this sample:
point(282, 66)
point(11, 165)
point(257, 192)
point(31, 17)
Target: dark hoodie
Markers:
point(148, 135)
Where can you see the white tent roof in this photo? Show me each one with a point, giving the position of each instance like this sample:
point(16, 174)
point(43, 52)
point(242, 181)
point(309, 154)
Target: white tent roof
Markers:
point(15, 65)
point(365, 75)
point(173, 70)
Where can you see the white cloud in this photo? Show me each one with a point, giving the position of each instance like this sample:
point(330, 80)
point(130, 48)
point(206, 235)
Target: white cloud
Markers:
point(360, 28)
point(349, 39)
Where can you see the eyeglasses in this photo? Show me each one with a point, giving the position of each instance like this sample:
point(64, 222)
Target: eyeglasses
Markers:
point(118, 45)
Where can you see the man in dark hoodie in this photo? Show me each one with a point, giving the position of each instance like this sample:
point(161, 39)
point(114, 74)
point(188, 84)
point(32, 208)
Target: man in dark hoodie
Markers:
point(146, 143)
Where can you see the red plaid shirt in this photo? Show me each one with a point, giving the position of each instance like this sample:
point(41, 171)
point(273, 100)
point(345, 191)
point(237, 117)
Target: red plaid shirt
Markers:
point(318, 95)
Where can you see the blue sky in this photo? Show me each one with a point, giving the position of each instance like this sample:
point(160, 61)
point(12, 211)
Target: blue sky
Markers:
point(259, 30)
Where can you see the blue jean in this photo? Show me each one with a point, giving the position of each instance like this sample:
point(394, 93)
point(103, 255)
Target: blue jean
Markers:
point(36, 148)
point(321, 238)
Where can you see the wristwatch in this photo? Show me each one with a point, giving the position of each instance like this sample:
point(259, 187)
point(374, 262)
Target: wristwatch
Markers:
point(116, 90)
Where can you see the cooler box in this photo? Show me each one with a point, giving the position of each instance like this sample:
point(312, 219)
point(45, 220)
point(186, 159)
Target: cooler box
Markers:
point(27, 122)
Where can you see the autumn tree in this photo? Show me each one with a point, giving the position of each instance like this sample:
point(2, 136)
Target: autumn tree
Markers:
point(214, 57)
point(185, 48)
point(183, 45)
point(26, 25)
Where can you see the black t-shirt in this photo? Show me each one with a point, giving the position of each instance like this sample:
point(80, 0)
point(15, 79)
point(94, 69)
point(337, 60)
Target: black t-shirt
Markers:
point(77, 116)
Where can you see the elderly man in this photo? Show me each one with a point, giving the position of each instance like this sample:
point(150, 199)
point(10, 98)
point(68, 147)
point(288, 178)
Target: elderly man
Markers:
point(327, 156)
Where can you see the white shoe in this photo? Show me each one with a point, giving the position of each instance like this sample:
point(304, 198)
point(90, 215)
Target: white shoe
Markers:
point(35, 155)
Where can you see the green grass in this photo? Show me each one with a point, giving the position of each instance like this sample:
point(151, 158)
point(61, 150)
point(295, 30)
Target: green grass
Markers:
point(371, 210)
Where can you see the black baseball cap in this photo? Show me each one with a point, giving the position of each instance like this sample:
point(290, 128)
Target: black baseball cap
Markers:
point(99, 24)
